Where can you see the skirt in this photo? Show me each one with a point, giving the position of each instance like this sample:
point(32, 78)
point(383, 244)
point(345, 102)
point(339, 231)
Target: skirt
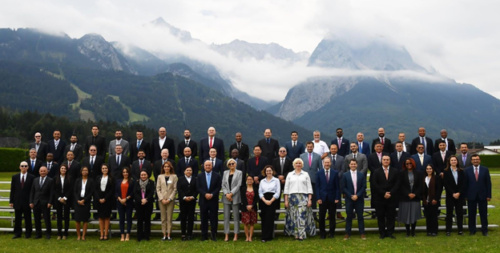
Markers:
point(82, 213)
point(409, 212)
point(299, 218)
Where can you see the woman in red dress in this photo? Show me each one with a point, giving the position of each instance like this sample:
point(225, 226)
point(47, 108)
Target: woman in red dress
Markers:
point(249, 198)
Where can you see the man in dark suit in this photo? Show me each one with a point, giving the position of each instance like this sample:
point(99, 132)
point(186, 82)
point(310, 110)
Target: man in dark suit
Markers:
point(399, 157)
point(294, 148)
point(354, 186)
point(363, 146)
point(421, 159)
point(93, 162)
point(157, 171)
point(20, 187)
point(73, 166)
point(211, 142)
point(140, 164)
point(40, 147)
point(477, 188)
point(385, 185)
point(464, 158)
point(450, 144)
point(243, 149)
point(41, 199)
point(217, 164)
point(406, 145)
point(386, 142)
point(57, 147)
point(188, 142)
point(117, 162)
point(52, 167)
point(270, 147)
point(256, 164)
point(328, 195)
point(34, 163)
point(428, 147)
point(342, 143)
point(282, 165)
point(208, 185)
point(312, 164)
point(186, 161)
point(337, 161)
point(160, 143)
point(186, 187)
point(440, 158)
point(96, 140)
point(375, 158)
point(75, 147)
point(140, 143)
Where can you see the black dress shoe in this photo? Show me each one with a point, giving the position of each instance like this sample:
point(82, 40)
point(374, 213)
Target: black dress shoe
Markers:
point(448, 233)
point(16, 236)
point(47, 237)
point(27, 236)
point(460, 232)
point(485, 233)
point(381, 237)
point(204, 239)
point(331, 236)
point(38, 237)
point(472, 233)
point(323, 236)
point(189, 238)
point(183, 238)
point(214, 238)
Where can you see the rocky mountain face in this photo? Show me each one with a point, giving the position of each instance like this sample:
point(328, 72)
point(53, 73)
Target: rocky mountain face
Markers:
point(245, 50)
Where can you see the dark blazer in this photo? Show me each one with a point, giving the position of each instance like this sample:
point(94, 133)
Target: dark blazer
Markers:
point(373, 162)
point(218, 144)
point(130, 190)
point(438, 188)
point(116, 169)
point(99, 142)
point(136, 169)
point(338, 164)
point(74, 170)
point(450, 185)
point(59, 152)
point(380, 185)
point(35, 171)
point(244, 201)
point(408, 147)
point(429, 147)
point(109, 191)
point(42, 150)
point(327, 191)
point(287, 166)
point(18, 194)
point(293, 153)
point(215, 185)
point(480, 189)
point(182, 145)
point(256, 170)
point(244, 151)
point(348, 187)
point(66, 192)
point(54, 169)
point(405, 189)
point(78, 151)
point(400, 165)
point(89, 190)
point(218, 167)
point(42, 195)
point(137, 196)
point(186, 189)
point(156, 149)
point(437, 161)
point(144, 146)
point(366, 148)
point(157, 167)
point(270, 151)
point(387, 145)
point(468, 162)
point(95, 170)
point(421, 167)
point(451, 145)
point(345, 148)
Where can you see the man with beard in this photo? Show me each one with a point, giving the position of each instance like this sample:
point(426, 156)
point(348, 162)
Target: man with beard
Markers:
point(75, 147)
point(386, 142)
point(426, 141)
point(140, 143)
point(294, 148)
point(464, 158)
point(341, 142)
point(450, 144)
point(188, 142)
point(118, 141)
point(97, 140)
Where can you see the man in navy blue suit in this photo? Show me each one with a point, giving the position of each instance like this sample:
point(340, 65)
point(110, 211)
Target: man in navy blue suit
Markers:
point(421, 159)
point(477, 188)
point(363, 146)
point(386, 142)
point(208, 185)
point(211, 142)
point(56, 147)
point(342, 143)
point(187, 160)
point(354, 185)
point(426, 141)
point(328, 195)
point(399, 157)
point(294, 148)
point(217, 164)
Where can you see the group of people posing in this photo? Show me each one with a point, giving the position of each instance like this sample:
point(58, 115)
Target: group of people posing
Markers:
point(311, 176)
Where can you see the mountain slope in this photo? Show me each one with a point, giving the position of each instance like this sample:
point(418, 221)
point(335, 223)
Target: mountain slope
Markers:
point(244, 50)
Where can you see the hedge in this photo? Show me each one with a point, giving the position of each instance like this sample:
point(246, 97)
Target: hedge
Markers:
point(10, 158)
point(490, 161)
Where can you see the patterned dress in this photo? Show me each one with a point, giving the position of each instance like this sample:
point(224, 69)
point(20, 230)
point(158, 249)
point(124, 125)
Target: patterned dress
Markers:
point(249, 217)
point(299, 217)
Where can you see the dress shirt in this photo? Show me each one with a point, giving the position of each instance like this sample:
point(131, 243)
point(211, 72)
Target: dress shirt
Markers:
point(84, 184)
point(272, 185)
point(104, 182)
point(404, 147)
point(56, 143)
point(421, 156)
point(455, 175)
point(62, 187)
point(188, 179)
point(162, 141)
point(354, 177)
point(298, 183)
point(23, 176)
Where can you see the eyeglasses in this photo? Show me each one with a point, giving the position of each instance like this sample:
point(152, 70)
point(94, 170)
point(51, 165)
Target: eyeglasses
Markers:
point(24, 166)
point(282, 151)
point(231, 164)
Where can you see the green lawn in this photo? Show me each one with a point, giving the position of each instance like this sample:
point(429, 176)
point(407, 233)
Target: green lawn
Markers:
point(282, 243)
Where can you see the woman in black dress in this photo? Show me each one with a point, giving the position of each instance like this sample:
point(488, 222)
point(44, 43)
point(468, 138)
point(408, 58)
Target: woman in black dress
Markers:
point(143, 199)
point(453, 181)
point(83, 191)
point(63, 197)
point(103, 200)
point(431, 196)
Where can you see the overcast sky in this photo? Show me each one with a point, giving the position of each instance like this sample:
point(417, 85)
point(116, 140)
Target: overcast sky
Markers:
point(458, 38)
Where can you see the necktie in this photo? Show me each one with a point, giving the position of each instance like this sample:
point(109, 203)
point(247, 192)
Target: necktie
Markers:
point(187, 143)
point(334, 160)
point(42, 181)
point(118, 159)
point(209, 176)
point(477, 174)
point(32, 165)
point(327, 176)
point(422, 139)
point(310, 162)
point(399, 155)
point(354, 181)
point(360, 147)
point(49, 166)
point(211, 142)
point(256, 161)
point(442, 155)
point(382, 141)
point(293, 146)
point(140, 164)
point(282, 162)
point(422, 160)
point(187, 161)
point(239, 145)
point(354, 156)
point(22, 181)
point(139, 143)
point(464, 159)
point(72, 147)
point(213, 162)
point(339, 142)
point(268, 141)
point(69, 164)
point(91, 163)
point(386, 174)
point(37, 146)
point(56, 144)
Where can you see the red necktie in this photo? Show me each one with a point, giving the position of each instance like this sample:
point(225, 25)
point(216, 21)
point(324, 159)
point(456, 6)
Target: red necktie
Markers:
point(211, 142)
point(257, 161)
point(477, 174)
point(140, 164)
point(382, 141)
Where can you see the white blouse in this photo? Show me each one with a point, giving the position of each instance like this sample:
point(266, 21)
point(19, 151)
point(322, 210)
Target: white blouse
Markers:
point(82, 192)
point(104, 182)
point(298, 183)
point(272, 185)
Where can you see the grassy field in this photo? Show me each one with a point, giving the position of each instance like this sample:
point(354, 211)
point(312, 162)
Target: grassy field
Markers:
point(282, 243)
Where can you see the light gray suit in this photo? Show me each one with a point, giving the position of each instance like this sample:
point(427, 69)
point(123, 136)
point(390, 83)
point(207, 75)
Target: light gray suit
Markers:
point(468, 162)
point(362, 162)
point(112, 146)
point(316, 165)
point(234, 188)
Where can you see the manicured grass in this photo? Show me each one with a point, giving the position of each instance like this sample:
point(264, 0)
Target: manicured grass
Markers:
point(282, 243)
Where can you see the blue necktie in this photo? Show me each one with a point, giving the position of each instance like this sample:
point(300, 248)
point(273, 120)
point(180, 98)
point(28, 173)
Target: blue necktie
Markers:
point(268, 141)
point(32, 165)
point(138, 144)
point(209, 176)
